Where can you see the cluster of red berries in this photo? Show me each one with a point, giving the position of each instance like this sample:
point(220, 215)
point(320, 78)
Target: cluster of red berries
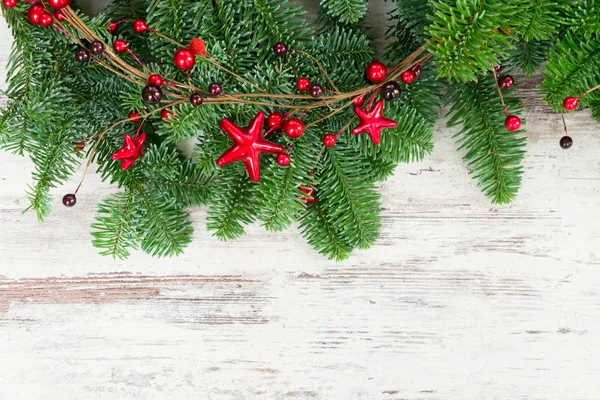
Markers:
point(37, 14)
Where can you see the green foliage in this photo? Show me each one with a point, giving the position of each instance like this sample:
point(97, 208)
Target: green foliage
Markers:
point(114, 231)
point(538, 20)
point(529, 57)
point(345, 11)
point(407, 33)
point(54, 101)
point(466, 38)
point(493, 153)
point(572, 68)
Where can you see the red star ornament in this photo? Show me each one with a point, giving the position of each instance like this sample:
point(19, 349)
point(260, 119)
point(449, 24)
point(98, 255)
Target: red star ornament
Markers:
point(372, 121)
point(249, 145)
point(131, 150)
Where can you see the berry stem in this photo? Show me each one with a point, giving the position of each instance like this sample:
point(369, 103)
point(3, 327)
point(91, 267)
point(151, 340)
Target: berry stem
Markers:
point(137, 59)
point(321, 68)
point(589, 91)
point(157, 33)
point(499, 91)
point(564, 124)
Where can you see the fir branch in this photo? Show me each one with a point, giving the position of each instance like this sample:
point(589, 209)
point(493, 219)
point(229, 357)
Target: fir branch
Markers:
point(114, 230)
point(232, 205)
point(164, 228)
point(322, 235)
point(350, 202)
point(466, 38)
point(493, 153)
point(572, 68)
point(345, 11)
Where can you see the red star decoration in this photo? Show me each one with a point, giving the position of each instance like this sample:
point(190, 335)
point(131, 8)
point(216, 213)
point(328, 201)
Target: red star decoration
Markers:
point(131, 150)
point(372, 121)
point(249, 145)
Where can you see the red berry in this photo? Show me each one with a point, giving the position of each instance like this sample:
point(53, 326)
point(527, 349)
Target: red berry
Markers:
point(512, 123)
point(198, 47)
point(274, 121)
point(570, 103)
point(283, 159)
point(58, 4)
point(506, 81)
point(46, 19)
point(113, 27)
point(408, 76)
point(9, 3)
point(302, 84)
point(120, 46)
point(135, 117)
point(376, 72)
point(156, 80)
point(184, 59)
point(139, 26)
point(166, 113)
point(329, 140)
point(59, 15)
point(35, 12)
point(293, 128)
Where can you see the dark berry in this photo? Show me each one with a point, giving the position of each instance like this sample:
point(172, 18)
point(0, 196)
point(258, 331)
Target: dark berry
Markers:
point(390, 91)
point(316, 91)
point(280, 49)
point(69, 200)
point(566, 142)
point(96, 47)
point(417, 70)
point(506, 81)
point(215, 89)
point(152, 94)
point(196, 99)
point(82, 55)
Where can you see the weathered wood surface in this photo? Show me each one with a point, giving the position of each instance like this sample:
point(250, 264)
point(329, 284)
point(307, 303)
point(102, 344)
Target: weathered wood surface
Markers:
point(458, 299)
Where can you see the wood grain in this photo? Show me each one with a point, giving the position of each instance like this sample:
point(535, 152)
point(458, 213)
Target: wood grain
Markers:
point(458, 299)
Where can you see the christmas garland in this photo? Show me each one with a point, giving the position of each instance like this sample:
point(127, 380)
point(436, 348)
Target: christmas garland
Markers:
point(248, 79)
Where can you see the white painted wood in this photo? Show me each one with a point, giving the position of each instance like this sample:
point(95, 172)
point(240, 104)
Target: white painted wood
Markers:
point(458, 299)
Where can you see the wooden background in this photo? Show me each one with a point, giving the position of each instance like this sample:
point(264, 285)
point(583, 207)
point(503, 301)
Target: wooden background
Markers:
point(458, 300)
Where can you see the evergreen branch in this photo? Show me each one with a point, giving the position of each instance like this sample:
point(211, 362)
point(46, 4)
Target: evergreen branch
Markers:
point(345, 11)
point(466, 38)
point(322, 235)
point(350, 202)
point(232, 206)
point(164, 228)
point(114, 230)
point(572, 68)
point(493, 153)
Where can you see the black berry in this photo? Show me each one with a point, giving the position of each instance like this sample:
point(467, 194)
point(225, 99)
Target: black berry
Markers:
point(280, 49)
point(417, 70)
point(69, 200)
point(316, 91)
point(215, 89)
point(152, 94)
point(566, 142)
point(390, 91)
point(82, 55)
point(96, 47)
point(196, 99)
